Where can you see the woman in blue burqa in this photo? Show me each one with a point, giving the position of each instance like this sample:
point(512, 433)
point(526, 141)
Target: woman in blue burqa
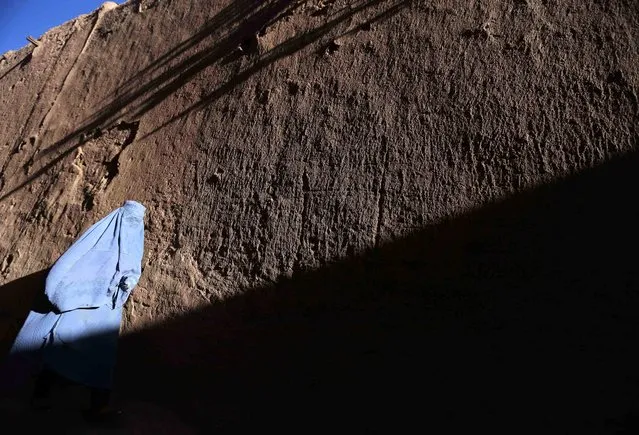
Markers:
point(87, 287)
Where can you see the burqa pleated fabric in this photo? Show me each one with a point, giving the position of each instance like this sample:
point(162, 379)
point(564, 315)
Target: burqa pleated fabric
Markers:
point(88, 287)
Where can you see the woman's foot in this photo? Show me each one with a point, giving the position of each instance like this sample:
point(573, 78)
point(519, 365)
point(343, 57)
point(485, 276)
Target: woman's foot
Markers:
point(41, 398)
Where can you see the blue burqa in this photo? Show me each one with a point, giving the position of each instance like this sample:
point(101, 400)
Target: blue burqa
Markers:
point(87, 288)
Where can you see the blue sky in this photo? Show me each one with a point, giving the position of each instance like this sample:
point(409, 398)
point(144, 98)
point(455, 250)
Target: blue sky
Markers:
point(19, 18)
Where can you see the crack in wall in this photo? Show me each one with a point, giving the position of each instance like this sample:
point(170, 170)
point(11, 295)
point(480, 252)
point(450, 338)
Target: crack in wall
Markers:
point(304, 215)
point(113, 165)
point(98, 17)
point(381, 197)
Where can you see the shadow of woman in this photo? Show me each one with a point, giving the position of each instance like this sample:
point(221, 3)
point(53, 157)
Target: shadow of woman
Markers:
point(17, 298)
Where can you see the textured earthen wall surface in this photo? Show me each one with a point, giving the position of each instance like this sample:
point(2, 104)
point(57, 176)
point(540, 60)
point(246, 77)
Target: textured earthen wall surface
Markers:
point(387, 169)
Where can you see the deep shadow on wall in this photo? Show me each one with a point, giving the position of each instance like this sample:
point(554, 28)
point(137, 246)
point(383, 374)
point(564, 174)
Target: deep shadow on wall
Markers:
point(518, 317)
point(521, 316)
